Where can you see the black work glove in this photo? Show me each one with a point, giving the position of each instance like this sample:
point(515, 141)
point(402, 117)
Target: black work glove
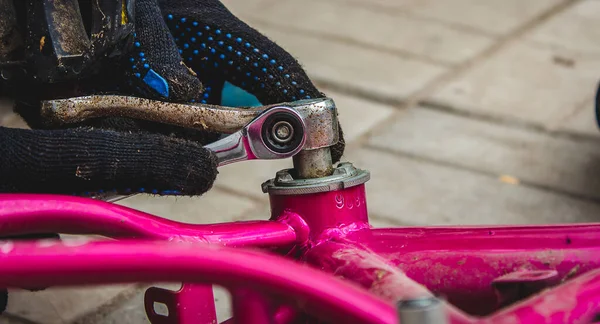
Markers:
point(183, 51)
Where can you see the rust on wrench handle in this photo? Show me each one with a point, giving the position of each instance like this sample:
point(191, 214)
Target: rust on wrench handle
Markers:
point(320, 115)
point(196, 116)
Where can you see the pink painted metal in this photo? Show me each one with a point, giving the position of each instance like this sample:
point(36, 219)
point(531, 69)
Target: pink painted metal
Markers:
point(328, 213)
point(250, 307)
point(284, 314)
point(34, 264)
point(498, 274)
point(178, 305)
point(462, 264)
point(577, 301)
point(26, 213)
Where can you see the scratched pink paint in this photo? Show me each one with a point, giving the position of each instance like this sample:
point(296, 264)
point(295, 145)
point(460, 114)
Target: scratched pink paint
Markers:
point(316, 258)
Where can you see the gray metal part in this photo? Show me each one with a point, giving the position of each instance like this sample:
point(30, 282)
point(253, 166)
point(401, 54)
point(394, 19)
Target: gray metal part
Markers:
point(344, 176)
point(319, 115)
point(429, 310)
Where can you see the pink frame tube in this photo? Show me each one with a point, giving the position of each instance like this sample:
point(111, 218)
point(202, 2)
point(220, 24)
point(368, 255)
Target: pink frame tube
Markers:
point(459, 263)
point(327, 230)
point(431, 256)
point(250, 307)
point(26, 214)
point(200, 296)
point(39, 265)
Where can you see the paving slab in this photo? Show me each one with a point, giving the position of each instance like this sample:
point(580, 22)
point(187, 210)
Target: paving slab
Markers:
point(385, 30)
point(535, 84)
point(497, 17)
point(241, 9)
point(213, 207)
point(582, 121)
point(247, 177)
point(559, 163)
point(13, 121)
point(416, 192)
point(357, 117)
point(576, 28)
point(7, 117)
point(395, 4)
point(356, 68)
point(61, 305)
point(132, 311)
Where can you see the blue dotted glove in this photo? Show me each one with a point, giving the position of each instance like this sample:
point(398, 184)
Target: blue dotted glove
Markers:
point(190, 50)
point(182, 51)
point(198, 51)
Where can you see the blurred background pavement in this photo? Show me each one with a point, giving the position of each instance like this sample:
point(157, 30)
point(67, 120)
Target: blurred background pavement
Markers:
point(464, 111)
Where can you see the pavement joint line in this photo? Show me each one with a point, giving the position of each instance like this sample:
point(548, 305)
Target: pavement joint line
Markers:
point(407, 11)
point(359, 93)
point(111, 305)
point(382, 127)
point(399, 105)
point(496, 47)
point(402, 105)
point(522, 182)
point(352, 42)
point(508, 121)
point(581, 107)
point(560, 47)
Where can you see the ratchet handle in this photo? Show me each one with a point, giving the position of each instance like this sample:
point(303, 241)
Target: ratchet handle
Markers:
point(277, 133)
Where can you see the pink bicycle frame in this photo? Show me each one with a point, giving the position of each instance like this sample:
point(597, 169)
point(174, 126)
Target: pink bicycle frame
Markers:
point(502, 274)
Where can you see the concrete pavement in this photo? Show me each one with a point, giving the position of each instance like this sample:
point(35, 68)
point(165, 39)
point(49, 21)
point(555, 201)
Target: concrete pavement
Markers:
point(465, 112)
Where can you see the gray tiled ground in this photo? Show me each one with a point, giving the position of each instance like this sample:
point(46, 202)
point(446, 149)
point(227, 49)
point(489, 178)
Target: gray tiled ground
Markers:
point(574, 28)
point(582, 121)
point(364, 70)
point(531, 83)
point(384, 31)
point(497, 17)
point(494, 149)
point(503, 130)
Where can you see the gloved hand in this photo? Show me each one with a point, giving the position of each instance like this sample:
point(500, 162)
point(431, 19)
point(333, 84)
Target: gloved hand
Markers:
point(183, 51)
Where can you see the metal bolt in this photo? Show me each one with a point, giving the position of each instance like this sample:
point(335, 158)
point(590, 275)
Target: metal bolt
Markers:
point(282, 132)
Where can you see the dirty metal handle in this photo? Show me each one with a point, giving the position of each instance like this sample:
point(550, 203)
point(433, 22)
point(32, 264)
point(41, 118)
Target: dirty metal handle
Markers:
point(318, 118)
point(196, 116)
point(320, 115)
point(252, 142)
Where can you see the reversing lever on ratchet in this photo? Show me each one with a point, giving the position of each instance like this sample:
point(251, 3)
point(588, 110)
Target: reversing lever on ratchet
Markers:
point(277, 133)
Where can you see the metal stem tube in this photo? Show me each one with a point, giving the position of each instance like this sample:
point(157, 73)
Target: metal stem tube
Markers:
point(313, 163)
point(428, 310)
